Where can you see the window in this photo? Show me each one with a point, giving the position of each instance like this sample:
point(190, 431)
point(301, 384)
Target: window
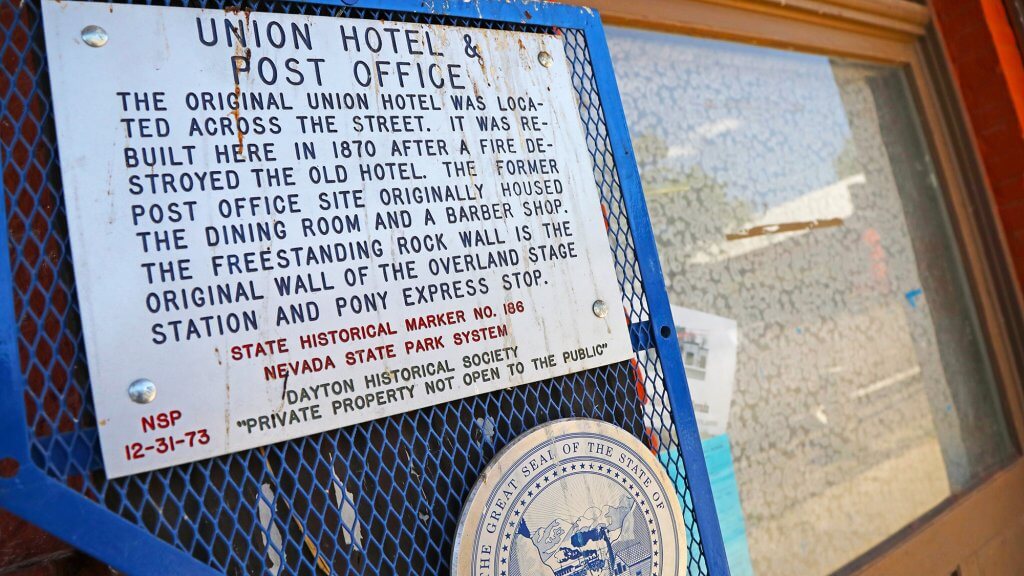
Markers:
point(794, 195)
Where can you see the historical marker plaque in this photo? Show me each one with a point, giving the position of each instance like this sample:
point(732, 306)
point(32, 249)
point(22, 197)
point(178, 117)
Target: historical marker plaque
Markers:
point(286, 224)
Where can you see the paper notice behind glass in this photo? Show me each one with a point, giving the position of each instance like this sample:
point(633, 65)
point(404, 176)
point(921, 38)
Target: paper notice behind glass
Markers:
point(708, 345)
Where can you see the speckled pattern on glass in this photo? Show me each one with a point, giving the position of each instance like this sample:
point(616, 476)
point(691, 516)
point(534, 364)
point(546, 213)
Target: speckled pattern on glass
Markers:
point(795, 194)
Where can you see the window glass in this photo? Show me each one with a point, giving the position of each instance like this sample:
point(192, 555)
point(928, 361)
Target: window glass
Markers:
point(824, 319)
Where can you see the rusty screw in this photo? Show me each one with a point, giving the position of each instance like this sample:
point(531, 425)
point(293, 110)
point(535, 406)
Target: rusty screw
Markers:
point(94, 36)
point(545, 59)
point(142, 391)
point(600, 308)
point(9, 467)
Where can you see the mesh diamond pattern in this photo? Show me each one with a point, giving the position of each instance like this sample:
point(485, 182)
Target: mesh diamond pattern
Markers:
point(376, 498)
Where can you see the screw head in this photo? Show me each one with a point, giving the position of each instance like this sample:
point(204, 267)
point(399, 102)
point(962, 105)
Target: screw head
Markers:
point(600, 308)
point(142, 391)
point(545, 59)
point(94, 36)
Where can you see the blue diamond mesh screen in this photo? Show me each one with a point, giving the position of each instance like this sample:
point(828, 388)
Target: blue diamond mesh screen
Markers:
point(377, 498)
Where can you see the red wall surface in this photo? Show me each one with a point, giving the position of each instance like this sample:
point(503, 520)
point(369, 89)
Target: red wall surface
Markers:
point(986, 61)
point(27, 551)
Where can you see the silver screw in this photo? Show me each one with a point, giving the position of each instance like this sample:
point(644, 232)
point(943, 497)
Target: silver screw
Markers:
point(94, 36)
point(600, 308)
point(545, 59)
point(142, 391)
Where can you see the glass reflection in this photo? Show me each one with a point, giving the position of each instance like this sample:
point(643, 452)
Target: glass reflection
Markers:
point(793, 194)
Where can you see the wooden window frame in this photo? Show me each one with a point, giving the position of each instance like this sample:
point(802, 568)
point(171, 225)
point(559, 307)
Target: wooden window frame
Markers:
point(899, 33)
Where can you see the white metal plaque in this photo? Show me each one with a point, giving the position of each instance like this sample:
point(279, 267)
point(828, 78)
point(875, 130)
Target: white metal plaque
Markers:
point(286, 224)
point(572, 497)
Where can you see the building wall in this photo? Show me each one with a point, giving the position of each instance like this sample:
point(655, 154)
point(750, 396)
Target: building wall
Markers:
point(985, 55)
point(28, 551)
point(986, 61)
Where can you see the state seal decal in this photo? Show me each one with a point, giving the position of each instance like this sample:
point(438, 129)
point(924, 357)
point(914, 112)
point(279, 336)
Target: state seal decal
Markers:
point(573, 497)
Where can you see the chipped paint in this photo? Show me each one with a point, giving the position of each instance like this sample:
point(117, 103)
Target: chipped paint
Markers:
point(487, 429)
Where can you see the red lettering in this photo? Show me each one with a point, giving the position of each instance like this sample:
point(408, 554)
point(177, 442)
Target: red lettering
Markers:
point(258, 349)
point(160, 421)
point(364, 355)
point(435, 320)
point(298, 367)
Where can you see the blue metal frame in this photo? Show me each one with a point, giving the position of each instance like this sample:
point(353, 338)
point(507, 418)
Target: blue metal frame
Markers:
point(666, 340)
point(38, 498)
